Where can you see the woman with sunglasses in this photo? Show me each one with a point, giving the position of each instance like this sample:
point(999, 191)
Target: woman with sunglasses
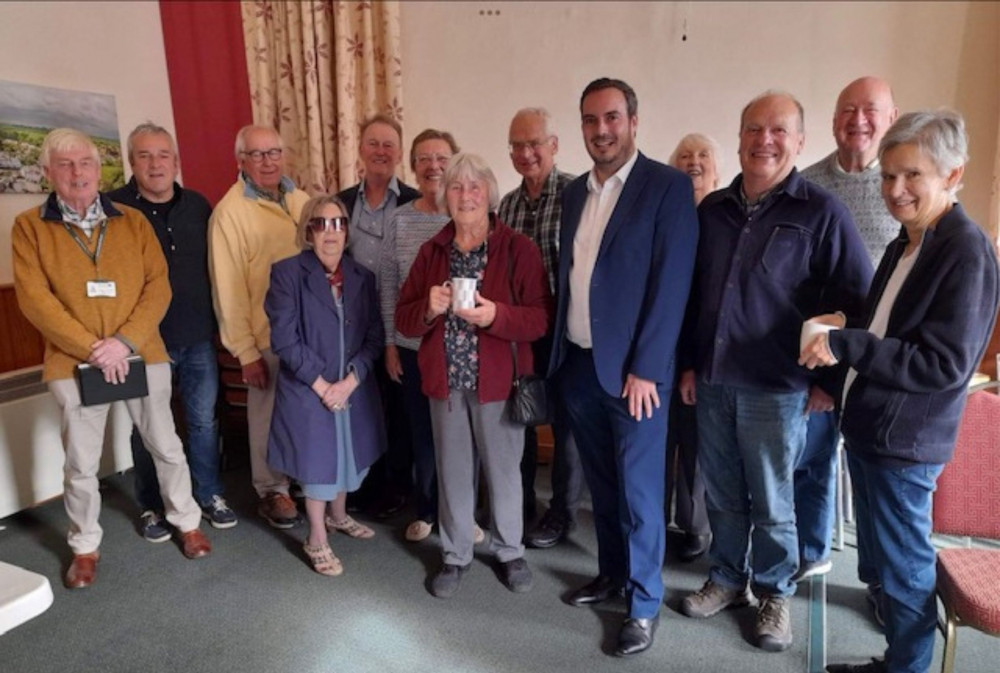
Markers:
point(326, 330)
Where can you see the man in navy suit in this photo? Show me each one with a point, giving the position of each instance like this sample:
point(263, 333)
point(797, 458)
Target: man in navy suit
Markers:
point(628, 238)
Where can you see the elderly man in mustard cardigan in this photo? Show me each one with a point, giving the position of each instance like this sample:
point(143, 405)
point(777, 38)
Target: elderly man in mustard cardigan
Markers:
point(91, 276)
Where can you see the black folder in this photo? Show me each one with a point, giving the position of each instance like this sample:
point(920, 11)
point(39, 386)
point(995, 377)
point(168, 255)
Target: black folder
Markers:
point(95, 390)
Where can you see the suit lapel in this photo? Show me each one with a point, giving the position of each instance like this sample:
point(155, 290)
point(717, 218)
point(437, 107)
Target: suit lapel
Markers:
point(626, 201)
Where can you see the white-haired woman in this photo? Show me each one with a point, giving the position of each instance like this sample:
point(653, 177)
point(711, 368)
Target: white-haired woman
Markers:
point(930, 313)
point(466, 363)
point(698, 155)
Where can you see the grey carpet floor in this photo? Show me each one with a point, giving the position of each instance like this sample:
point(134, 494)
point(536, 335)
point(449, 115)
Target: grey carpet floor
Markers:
point(254, 605)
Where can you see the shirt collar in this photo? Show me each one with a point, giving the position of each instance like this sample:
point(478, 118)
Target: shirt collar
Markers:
point(393, 187)
point(550, 188)
point(94, 214)
point(839, 170)
point(252, 191)
point(621, 176)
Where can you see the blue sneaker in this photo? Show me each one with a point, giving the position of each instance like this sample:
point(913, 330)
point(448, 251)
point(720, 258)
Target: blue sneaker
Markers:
point(153, 527)
point(218, 513)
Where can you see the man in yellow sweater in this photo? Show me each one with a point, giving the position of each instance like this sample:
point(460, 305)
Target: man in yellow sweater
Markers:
point(91, 276)
point(252, 227)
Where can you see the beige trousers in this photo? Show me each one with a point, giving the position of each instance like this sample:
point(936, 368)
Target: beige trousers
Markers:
point(260, 406)
point(83, 440)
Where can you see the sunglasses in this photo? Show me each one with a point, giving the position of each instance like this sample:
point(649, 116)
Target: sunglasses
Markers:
point(319, 225)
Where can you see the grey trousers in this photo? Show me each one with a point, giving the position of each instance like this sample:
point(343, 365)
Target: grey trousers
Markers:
point(260, 406)
point(462, 426)
point(83, 440)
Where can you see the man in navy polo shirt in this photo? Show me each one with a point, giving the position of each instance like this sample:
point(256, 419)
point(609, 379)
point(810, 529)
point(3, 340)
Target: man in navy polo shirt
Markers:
point(180, 219)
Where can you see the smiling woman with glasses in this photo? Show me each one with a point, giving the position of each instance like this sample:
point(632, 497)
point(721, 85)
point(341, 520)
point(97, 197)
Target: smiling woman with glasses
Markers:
point(327, 427)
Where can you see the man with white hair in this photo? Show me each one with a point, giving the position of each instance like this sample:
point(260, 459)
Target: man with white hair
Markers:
point(253, 226)
point(90, 275)
point(534, 209)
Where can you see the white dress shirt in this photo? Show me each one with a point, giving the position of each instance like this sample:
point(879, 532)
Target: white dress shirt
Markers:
point(601, 202)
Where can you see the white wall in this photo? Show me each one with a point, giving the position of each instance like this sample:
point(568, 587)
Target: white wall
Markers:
point(468, 72)
point(105, 47)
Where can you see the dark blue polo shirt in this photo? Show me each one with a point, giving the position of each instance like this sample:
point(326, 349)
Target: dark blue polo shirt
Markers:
point(181, 226)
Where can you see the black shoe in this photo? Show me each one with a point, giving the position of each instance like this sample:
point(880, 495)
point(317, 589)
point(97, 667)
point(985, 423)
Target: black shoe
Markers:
point(873, 666)
point(447, 580)
point(598, 591)
point(694, 546)
point(516, 575)
point(391, 506)
point(636, 635)
point(552, 529)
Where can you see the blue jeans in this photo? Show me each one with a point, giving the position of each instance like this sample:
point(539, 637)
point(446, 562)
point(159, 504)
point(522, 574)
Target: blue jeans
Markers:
point(197, 374)
point(894, 509)
point(816, 487)
point(749, 442)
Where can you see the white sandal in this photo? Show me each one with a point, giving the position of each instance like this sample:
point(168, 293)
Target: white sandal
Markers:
point(350, 527)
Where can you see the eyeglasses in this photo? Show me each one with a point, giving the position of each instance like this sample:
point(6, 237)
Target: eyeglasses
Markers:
point(532, 145)
point(320, 225)
point(257, 156)
point(428, 159)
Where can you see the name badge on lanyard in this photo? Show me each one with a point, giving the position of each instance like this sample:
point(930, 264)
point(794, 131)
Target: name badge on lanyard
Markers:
point(101, 288)
point(96, 287)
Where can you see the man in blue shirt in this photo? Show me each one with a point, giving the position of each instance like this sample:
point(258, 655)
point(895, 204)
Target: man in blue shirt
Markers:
point(774, 250)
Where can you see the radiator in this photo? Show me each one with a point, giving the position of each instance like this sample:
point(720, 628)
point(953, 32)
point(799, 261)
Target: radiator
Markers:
point(31, 452)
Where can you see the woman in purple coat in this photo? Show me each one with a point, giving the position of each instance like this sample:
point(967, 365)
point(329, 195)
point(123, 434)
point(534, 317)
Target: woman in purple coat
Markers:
point(327, 331)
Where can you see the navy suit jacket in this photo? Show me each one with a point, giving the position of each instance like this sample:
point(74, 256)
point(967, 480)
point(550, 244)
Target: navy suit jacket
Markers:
point(642, 275)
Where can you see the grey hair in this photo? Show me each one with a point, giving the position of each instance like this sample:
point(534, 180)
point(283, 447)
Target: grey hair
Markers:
point(64, 139)
point(700, 139)
point(776, 93)
point(465, 166)
point(542, 114)
point(309, 210)
point(241, 137)
point(148, 129)
point(940, 134)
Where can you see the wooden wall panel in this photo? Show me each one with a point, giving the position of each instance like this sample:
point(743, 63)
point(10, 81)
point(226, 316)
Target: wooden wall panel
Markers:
point(20, 343)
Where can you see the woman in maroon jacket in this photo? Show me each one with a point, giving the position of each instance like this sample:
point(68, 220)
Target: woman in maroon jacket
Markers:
point(467, 367)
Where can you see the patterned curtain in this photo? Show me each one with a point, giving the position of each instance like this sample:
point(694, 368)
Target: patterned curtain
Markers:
point(317, 68)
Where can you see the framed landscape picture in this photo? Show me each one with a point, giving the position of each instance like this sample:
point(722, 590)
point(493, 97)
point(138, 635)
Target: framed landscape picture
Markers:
point(28, 112)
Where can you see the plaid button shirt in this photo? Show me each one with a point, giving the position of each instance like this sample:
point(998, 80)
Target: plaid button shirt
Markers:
point(538, 220)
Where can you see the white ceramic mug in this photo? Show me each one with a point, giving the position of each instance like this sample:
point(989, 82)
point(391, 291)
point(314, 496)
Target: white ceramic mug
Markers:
point(810, 329)
point(463, 293)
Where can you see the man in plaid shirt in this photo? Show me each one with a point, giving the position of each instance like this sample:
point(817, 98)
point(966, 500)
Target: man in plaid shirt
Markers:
point(534, 209)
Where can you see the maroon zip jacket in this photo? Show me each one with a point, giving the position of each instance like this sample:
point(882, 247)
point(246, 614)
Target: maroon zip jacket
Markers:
point(523, 321)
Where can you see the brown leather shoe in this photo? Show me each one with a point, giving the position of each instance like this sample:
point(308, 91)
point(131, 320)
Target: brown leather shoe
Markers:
point(82, 571)
point(196, 544)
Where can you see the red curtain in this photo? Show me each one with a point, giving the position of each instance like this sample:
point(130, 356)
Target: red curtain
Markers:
point(209, 88)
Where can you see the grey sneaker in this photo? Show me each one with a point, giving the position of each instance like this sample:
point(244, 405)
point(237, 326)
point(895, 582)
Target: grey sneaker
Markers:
point(447, 580)
point(809, 569)
point(712, 599)
point(153, 527)
point(773, 627)
point(516, 575)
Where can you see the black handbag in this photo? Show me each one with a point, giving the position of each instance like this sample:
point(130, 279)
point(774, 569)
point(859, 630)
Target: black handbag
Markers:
point(529, 402)
point(529, 398)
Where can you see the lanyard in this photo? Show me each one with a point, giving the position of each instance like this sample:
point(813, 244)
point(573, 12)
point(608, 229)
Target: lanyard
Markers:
point(83, 246)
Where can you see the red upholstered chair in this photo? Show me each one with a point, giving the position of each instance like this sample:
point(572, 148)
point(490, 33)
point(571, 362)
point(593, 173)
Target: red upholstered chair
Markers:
point(967, 503)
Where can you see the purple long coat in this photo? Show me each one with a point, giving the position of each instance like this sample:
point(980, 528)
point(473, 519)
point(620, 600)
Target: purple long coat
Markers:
point(306, 337)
